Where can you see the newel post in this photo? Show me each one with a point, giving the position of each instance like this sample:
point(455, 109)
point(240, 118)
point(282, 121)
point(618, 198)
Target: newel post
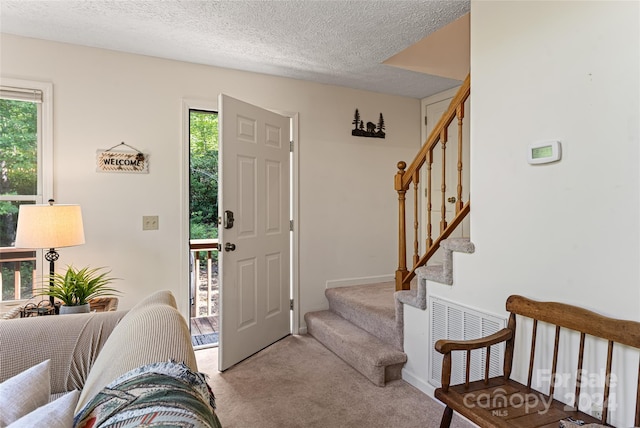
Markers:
point(401, 272)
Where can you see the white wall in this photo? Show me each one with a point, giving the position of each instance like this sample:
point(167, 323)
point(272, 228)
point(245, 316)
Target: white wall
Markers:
point(348, 208)
point(567, 231)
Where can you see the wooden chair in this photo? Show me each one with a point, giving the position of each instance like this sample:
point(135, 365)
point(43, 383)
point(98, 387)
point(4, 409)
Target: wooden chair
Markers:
point(503, 402)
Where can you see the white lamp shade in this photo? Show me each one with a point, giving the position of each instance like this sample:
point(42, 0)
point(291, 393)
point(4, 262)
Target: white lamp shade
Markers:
point(49, 226)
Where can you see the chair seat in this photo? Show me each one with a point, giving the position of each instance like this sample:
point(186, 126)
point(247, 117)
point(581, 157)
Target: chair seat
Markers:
point(508, 404)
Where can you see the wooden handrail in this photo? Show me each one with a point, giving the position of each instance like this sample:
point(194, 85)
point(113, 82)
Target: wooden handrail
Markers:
point(203, 244)
point(446, 119)
point(411, 174)
point(436, 243)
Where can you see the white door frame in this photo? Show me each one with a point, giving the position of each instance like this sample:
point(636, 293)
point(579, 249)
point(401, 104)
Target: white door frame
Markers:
point(183, 294)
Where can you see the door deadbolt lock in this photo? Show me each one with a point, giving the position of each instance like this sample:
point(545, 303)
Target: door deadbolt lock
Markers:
point(229, 246)
point(452, 200)
point(228, 219)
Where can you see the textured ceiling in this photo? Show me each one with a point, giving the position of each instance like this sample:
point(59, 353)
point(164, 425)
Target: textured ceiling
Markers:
point(334, 42)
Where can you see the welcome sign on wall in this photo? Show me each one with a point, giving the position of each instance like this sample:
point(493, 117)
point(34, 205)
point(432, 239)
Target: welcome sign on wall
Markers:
point(120, 161)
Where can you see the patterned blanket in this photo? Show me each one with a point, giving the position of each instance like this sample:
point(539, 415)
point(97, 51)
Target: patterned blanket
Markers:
point(164, 394)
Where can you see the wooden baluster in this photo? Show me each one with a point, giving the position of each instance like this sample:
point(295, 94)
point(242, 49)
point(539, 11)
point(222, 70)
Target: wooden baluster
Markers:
point(197, 283)
point(209, 272)
point(460, 114)
point(416, 182)
point(192, 283)
point(576, 402)
point(554, 366)
point(16, 281)
point(402, 230)
point(533, 351)
point(429, 206)
point(443, 187)
point(34, 285)
point(607, 384)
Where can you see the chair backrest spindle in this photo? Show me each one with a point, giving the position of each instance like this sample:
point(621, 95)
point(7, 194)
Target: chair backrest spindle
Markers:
point(554, 367)
point(579, 370)
point(637, 422)
point(533, 351)
point(468, 370)
point(607, 383)
point(487, 364)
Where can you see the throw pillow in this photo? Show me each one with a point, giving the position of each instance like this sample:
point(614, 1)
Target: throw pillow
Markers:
point(165, 394)
point(57, 414)
point(24, 393)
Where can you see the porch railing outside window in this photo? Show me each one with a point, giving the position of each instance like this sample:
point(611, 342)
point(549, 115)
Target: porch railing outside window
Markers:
point(17, 274)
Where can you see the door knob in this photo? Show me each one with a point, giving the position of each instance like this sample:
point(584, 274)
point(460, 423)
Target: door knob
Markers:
point(452, 200)
point(229, 246)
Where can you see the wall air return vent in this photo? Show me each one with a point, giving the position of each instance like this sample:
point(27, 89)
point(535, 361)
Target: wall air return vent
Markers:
point(450, 320)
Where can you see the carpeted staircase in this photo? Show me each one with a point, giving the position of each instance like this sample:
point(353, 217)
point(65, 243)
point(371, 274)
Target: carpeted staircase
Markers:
point(361, 327)
point(364, 323)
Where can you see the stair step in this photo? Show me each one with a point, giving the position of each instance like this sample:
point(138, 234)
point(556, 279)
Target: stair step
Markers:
point(370, 307)
point(376, 360)
point(417, 297)
point(444, 273)
point(436, 273)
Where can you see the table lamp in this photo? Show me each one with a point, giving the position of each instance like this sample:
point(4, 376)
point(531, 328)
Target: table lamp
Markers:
point(49, 226)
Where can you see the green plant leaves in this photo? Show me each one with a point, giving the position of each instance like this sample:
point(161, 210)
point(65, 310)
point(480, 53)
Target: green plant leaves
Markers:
point(78, 286)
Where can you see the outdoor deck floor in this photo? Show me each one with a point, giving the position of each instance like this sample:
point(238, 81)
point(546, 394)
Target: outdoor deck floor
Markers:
point(204, 331)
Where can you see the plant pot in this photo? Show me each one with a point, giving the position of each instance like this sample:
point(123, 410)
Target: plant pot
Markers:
point(80, 309)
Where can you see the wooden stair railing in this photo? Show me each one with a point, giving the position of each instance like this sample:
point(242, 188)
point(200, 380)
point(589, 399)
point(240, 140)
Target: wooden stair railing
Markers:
point(411, 175)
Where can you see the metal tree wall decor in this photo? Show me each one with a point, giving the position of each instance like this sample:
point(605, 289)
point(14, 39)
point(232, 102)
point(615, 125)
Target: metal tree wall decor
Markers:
point(369, 129)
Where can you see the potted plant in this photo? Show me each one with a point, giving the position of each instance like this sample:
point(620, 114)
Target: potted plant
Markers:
point(76, 287)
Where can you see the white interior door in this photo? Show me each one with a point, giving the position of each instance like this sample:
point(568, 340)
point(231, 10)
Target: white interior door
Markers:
point(254, 268)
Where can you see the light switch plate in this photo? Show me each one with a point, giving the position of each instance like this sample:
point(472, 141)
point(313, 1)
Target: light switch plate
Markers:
point(150, 222)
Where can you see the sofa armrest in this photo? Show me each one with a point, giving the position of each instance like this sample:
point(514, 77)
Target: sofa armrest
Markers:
point(150, 333)
point(71, 342)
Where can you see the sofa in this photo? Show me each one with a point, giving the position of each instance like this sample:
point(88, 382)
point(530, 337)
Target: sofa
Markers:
point(101, 354)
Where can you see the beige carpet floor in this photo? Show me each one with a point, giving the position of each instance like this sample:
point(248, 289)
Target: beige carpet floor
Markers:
point(297, 382)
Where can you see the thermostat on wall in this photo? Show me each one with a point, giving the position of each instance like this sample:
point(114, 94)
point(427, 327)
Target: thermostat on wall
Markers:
point(544, 152)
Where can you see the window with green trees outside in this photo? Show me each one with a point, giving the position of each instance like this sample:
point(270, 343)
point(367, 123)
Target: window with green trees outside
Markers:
point(19, 175)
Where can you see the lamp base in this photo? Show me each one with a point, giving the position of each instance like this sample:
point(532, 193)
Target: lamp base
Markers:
point(51, 256)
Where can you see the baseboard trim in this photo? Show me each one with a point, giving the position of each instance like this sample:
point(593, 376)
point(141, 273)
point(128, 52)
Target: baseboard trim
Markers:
point(333, 283)
point(302, 330)
point(416, 382)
